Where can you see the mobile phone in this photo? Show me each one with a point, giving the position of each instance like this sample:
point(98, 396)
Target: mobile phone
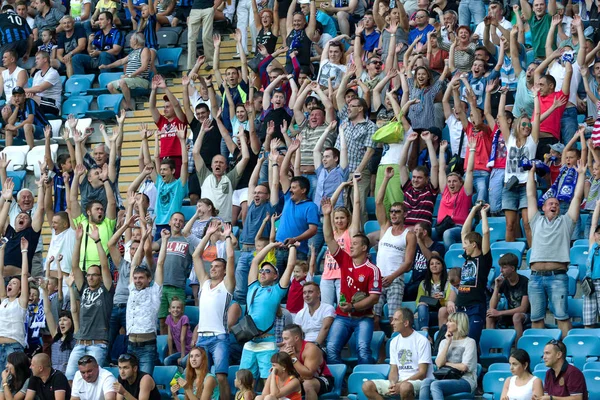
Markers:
point(3, 241)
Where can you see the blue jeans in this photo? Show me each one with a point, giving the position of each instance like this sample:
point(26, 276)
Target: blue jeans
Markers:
point(98, 351)
point(5, 350)
point(568, 124)
point(172, 359)
point(470, 10)
point(424, 317)
point(146, 354)
point(481, 180)
point(436, 390)
point(476, 316)
point(339, 334)
point(282, 259)
point(330, 291)
point(452, 236)
point(496, 187)
point(118, 319)
point(217, 349)
point(81, 62)
point(241, 276)
point(552, 289)
point(318, 241)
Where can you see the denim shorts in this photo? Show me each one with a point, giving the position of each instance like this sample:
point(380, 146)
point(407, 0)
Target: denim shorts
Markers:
point(217, 349)
point(515, 199)
point(549, 291)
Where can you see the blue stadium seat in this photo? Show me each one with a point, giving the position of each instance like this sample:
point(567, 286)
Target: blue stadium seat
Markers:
point(592, 365)
point(316, 279)
point(592, 382)
point(383, 369)
point(193, 314)
point(373, 255)
point(87, 98)
point(188, 212)
point(579, 254)
point(518, 246)
point(580, 347)
point(89, 77)
point(370, 205)
point(493, 383)
point(456, 246)
point(108, 106)
point(525, 272)
point(541, 375)
point(321, 257)
point(534, 346)
point(551, 333)
point(77, 86)
point(18, 178)
point(576, 311)
point(162, 347)
point(357, 379)
point(233, 369)
point(496, 339)
point(104, 79)
point(113, 370)
point(527, 257)
point(499, 367)
point(376, 343)
point(497, 229)
point(530, 56)
point(410, 305)
point(77, 107)
point(582, 331)
point(371, 226)
point(454, 258)
point(168, 60)
point(339, 372)
point(572, 273)
point(163, 375)
point(581, 242)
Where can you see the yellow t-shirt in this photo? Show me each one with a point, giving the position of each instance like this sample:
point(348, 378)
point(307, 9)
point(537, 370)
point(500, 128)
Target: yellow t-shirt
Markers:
point(106, 5)
point(270, 258)
point(105, 230)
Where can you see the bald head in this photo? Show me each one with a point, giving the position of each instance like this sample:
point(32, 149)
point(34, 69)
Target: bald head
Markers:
point(42, 360)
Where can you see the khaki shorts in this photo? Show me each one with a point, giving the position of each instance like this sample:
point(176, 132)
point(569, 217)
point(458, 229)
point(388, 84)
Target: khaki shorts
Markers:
point(132, 83)
point(383, 387)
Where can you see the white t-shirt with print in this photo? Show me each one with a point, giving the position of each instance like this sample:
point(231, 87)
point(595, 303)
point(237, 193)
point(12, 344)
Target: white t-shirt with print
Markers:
point(408, 352)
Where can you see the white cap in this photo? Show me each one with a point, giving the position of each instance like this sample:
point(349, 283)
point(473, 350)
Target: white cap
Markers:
point(303, 1)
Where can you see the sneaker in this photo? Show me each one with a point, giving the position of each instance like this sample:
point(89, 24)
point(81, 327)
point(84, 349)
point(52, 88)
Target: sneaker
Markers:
point(237, 56)
point(208, 67)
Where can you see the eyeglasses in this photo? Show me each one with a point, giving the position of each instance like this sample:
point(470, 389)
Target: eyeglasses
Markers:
point(395, 211)
point(526, 124)
point(265, 271)
point(376, 62)
point(94, 275)
point(86, 360)
point(354, 105)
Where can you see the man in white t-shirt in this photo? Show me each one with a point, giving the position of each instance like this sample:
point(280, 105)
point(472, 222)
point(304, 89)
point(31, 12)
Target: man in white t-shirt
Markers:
point(316, 317)
point(495, 13)
point(410, 362)
point(92, 382)
point(12, 76)
point(46, 85)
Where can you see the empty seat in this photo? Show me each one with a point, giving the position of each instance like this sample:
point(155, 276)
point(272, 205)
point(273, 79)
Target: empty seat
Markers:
point(534, 345)
point(493, 383)
point(371, 226)
point(108, 106)
point(104, 79)
point(77, 86)
point(496, 339)
point(167, 38)
point(551, 333)
point(193, 314)
point(497, 228)
point(168, 60)
point(581, 347)
point(77, 107)
point(454, 258)
point(339, 372)
point(17, 155)
point(37, 155)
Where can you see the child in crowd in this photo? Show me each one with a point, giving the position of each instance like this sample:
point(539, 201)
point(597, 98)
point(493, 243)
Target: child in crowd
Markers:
point(244, 383)
point(592, 186)
point(302, 274)
point(260, 241)
point(553, 160)
point(454, 278)
point(179, 333)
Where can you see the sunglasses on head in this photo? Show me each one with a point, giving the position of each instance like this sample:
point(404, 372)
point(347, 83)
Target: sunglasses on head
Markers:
point(86, 360)
point(125, 357)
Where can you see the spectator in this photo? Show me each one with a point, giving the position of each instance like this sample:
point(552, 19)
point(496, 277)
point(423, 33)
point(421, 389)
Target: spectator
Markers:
point(514, 288)
point(549, 281)
point(421, 27)
point(46, 88)
point(198, 380)
point(201, 15)
point(360, 291)
point(179, 333)
point(47, 17)
point(22, 9)
point(24, 119)
point(283, 380)
point(134, 383)
point(539, 23)
point(591, 302)
point(244, 382)
point(457, 351)
point(216, 291)
point(46, 382)
point(267, 35)
point(436, 286)
point(560, 371)
point(523, 97)
point(136, 70)
point(104, 48)
point(63, 174)
point(102, 6)
point(406, 374)
point(35, 321)
point(332, 65)
point(92, 382)
point(397, 246)
point(16, 34)
point(145, 23)
point(80, 11)
point(327, 22)
point(96, 304)
point(523, 383)
point(13, 75)
point(263, 301)
point(316, 317)
point(462, 49)
point(369, 34)
point(309, 362)
point(495, 18)
point(16, 376)
point(299, 34)
point(276, 96)
point(426, 248)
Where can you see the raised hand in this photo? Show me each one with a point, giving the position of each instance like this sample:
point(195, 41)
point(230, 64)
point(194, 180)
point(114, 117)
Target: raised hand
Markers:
point(217, 40)
point(4, 162)
point(389, 172)
point(93, 233)
point(48, 131)
point(326, 207)
point(412, 137)
point(165, 234)
point(443, 146)
point(121, 117)
point(213, 227)
point(227, 229)
point(7, 189)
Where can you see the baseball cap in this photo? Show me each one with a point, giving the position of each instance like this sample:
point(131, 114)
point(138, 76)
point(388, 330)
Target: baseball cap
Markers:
point(18, 90)
point(558, 147)
point(303, 1)
point(435, 131)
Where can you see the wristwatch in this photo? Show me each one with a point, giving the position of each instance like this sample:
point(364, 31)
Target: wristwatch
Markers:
point(294, 360)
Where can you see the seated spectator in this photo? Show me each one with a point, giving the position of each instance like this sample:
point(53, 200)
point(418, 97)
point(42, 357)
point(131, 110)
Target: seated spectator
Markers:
point(514, 288)
point(316, 317)
point(104, 48)
point(24, 119)
point(102, 6)
point(456, 351)
point(16, 376)
point(562, 379)
point(46, 382)
point(71, 40)
point(426, 248)
point(12, 76)
point(179, 339)
point(92, 382)
point(244, 383)
point(360, 291)
point(347, 14)
point(283, 380)
point(198, 382)
point(406, 375)
point(132, 382)
point(137, 68)
point(435, 286)
point(47, 17)
point(591, 302)
point(523, 384)
point(46, 88)
point(22, 10)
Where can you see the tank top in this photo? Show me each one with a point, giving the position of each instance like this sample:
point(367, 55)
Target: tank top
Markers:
point(391, 251)
point(134, 388)
point(292, 396)
point(12, 321)
point(267, 39)
point(214, 303)
point(331, 269)
point(520, 392)
point(134, 63)
point(10, 81)
point(323, 369)
point(297, 39)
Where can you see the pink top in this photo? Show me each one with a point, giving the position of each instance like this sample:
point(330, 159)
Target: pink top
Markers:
point(176, 332)
point(456, 205)
point(331, 270)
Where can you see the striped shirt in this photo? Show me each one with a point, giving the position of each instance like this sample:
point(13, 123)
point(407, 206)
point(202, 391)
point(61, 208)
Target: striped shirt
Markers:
point(358, 138)
point(419, 203)
point(134, 62)
point(13, 28)
point(104, 42)
point(149, 31)
point(31, 107)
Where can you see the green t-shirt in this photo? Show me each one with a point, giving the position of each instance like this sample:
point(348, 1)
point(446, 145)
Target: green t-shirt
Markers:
point(105, 230)
point(539, 33)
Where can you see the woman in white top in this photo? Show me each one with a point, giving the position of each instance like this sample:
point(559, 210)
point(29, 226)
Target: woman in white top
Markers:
point(14, 299)
point(522, 385)
point(333, 62)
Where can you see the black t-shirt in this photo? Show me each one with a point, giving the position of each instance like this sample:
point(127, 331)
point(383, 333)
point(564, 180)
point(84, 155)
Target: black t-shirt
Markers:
point(202, 4)
point(267, 39)
point(277, 116)
point(245, 178)
point(134, 388)
point(297, 39)
point(45, 391)
point(211, 145)
point(12, 253)
point(514, 294)
point(70, 43)
point(473, 280)
point(420, 263)
point(450, 6)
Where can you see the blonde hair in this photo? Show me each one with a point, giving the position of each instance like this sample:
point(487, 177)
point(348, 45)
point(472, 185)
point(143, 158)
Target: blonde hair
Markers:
point(462, 324)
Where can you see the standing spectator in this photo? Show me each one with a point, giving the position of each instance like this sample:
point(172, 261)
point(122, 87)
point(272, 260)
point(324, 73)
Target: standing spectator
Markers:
point(134, 383)
point(410, 361)
point(316, 317)
point(201, 15)
point(24, 119)
point(523, 97)
point(13, 75)
point(71, 40)
point(299, 34)
point(360, 291)
point(539, 23)
point(15, 34)
point(46, 87)
point(563, 380)
point(496, 18)
point(92, 382)
point(96, 305)
point(45, 382)
point(591, 302)
point(104, 48)
point(63, 174)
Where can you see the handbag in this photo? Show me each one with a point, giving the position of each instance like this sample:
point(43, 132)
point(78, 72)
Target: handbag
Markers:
point(390, 133)
point(246, 330)
point(457, 163)
point(444, 225)
point(447, 373)
point(587, 287)
point(431, 302)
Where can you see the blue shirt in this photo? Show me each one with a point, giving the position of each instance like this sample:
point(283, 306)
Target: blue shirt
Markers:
point(328, 182)
point(371, 41)
point(263, 308)
point(31, 107)
point(169, 199)
point(149, 31)
point(254, 218)
point(13, 28)
point(412, 35)
point(295, 220)
point(478, 85)
point(327, 22)
point(60, 193)
point(104, 42)
point(593, 261)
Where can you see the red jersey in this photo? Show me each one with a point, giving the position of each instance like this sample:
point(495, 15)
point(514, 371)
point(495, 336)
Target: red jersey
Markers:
point(364, 278)
point(551, 124)
point(295, 300)
point(483, 148)
point(169, 143)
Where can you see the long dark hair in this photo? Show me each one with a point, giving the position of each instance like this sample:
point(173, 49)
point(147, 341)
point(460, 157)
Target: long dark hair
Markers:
point(285, 361)
point(20, 362)
point(429, 275)
point(67, 344)
point(523, 357)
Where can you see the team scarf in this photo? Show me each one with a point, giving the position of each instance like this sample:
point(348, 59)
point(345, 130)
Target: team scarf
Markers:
point(566, 190)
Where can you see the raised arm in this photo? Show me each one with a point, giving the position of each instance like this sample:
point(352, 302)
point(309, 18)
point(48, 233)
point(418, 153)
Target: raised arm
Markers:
point(78, 278)
point(230, 266)
point(526, 9)
point(404, 173)
point(37, 219)
point(442, 178)
point(326, 209)
point(24, 297)
point(318, 150)
point(578, 195)
point(468, 184)
point(380, 211)
point(106, 276)
point(253, 274)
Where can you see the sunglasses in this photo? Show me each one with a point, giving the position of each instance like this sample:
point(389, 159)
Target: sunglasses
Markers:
point(265, 271)
point(560, 345)
point(125, 357)
point(376, 62)
point(395, 211)
point(526, 124)
point(86, 360)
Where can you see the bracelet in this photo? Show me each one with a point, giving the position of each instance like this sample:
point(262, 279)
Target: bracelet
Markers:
point(97, 241)
point(104, 180)
point(8, 201)
point(274, 165)
point(392, 34)
point(472, 150)
point(24, 251)
point(228, 237)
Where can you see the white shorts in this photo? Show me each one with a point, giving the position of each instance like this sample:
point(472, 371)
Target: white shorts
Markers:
point(240, 196)
point(383, 386)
